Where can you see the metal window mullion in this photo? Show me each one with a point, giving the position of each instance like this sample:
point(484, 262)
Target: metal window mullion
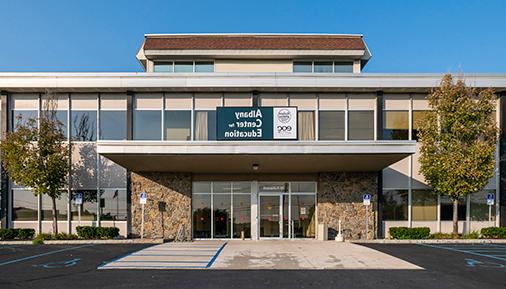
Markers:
point(346, 117)
point(98, 162)
point(317, 118)
point(438, 213)
point(410, 196)
point(163, 117)
point(410, 118)
point(69, 182)
point(212, 210)
point(231, 210)
point(192, 120)
point(290, 227)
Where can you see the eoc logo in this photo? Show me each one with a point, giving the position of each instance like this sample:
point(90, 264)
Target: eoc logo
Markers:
point(284, 115)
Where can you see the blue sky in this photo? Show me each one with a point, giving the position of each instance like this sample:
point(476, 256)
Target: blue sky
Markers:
point(104, 35)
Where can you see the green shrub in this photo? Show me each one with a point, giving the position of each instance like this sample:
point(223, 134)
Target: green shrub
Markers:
point(494, 232)
point(405, 233)
point(88, 232)
point(44, 236)
point(37, 241)
point(59, 236)
point(16, 234)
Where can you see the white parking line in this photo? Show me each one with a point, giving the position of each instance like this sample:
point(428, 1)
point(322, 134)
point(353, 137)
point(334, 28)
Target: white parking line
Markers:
point(482, 250)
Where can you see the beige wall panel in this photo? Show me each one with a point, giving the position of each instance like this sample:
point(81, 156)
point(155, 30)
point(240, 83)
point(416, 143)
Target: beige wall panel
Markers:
point(273, 99)
point(151, 101)
point(332, 101)
point(83, 101)
point(396, 176)
point(178, 101)
point(25, 101)
point(253, 65)
point(113, 101)
point(207, 100)
point(418, 180)
point(396, 101)
point(238, 99)
point(361, 101)
point(420, 102)
point(62, 101)
point(304, 101)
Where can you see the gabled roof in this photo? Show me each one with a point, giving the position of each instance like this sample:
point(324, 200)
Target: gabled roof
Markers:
point(254, 42)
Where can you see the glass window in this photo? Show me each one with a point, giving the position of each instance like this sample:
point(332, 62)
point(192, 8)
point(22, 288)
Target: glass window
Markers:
point(201, 187)
point(361, 125)
point(480, 211)
point(331, 125)
point(22, 116)
point(447, 209)
point(84, 125)
point(395, 125)
point(424, 205)
point(303, 66)
point(303, 216)
point(242, 215)
point(113, 124)
point(343, 67)
point(61, 208)
point(395, 205)
point(306, 130)
point(222, 216)
point(183, 66)
point(61, 116)
point(418, 118)
point(322, 66)
point(163, 67)
point(147, 125)
point(177, 124)
point(303, 187)
point(201, 215)
point(204, 66)
point(24, 205)
point(113, 204)
point(88, 208)
point(205, 125)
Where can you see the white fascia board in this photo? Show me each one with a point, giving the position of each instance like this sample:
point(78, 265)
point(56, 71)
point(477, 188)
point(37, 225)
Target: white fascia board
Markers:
point(225, 81)
point(255, 147)
point(255, 53)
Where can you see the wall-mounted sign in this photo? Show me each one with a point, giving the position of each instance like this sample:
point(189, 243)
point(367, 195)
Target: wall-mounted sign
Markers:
point(256, 123)
point(366, 198)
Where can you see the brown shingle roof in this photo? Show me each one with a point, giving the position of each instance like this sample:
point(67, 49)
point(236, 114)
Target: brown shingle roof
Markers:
point(274, 42)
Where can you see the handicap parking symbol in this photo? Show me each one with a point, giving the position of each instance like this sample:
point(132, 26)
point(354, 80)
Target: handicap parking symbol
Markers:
point(61, 264)
point(476, 263)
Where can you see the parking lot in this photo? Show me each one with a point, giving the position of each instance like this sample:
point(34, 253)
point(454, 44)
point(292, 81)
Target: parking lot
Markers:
point(425, 266)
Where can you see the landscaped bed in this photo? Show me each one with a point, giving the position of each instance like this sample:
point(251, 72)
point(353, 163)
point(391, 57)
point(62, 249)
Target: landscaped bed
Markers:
point(83, 233)
point(420, 233)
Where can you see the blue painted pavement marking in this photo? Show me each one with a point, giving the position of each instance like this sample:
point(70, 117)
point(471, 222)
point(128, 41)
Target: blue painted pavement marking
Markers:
point(474, 251)
point(216, 255)
point(43, 254)
point(61, 264)
point(121, 257)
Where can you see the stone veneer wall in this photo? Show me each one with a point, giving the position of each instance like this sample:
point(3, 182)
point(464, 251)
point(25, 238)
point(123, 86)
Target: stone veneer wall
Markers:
point(340, 196)
point(175, 190)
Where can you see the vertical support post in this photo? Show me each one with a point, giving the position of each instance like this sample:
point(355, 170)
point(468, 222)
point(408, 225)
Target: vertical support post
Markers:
point(129, 125)
point(142, 221)
point(4, 197)
point(379, 136)
point(366, 222)
point(501, 198)
point(379, 116)
point(69, 182)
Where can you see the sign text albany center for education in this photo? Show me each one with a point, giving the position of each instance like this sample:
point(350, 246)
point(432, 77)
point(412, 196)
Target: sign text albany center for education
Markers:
point(256, 123)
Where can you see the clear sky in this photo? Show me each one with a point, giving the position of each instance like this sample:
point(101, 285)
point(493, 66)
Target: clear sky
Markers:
point(104, 35)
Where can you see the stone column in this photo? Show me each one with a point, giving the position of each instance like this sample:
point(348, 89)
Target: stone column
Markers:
point(340, 197)
point(169, 190)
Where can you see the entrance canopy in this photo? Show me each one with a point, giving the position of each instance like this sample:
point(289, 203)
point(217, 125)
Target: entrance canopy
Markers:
point(255, 156)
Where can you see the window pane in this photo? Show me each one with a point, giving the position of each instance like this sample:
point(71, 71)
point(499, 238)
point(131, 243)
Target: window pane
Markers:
point(204, 66)
point(177, 124)
point(222, 218)
point(479, 208)
point(22, 116)
point(205, 125)
point(241, 187)
point(24, 205)
point(395, 125)
point(302, 66)
point(303, 216)
point(183, 66)
point(395, 205)
point(306, 129)
point(418, 117)
point(343, 67)
point(163, 67)
point(61, 208)
point(222, 188)
point(201, 187)
point(88, 208)
point(323, 66)
point(424, 203)
point(361, 125)
point(303, 187)
point(147, 125)
point(447, 209)
point(201, 215)
point(331, 125)
point(242, 215)
point(113, 205)
point(84, 125)
point(113, 124)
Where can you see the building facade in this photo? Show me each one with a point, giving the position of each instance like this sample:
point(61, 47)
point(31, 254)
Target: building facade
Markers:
point(244, 136)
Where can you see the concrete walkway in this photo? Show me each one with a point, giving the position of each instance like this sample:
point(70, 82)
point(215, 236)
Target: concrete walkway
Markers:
point(194, 255)
point(305, 254)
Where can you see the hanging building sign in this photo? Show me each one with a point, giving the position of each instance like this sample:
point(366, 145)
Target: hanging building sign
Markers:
point(256, 123)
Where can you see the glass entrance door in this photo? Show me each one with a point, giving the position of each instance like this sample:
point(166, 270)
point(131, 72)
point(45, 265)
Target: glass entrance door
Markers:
point(271, 216)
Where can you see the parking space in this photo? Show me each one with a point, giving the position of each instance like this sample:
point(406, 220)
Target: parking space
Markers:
point(496, 252)
point(194, 255)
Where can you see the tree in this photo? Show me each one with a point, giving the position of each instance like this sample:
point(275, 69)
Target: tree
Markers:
point(458, 140)
point(36, 155)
